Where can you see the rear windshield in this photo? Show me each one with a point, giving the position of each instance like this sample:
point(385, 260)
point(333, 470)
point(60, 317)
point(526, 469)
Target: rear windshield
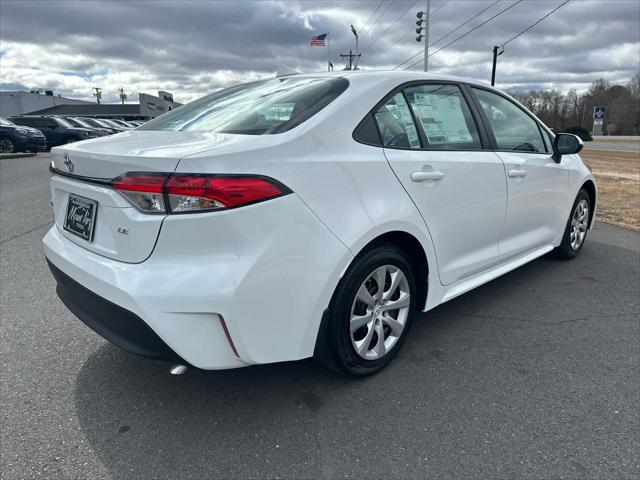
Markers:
point(102, 123)
point(63, 122)
point(257, 108)
point(77, 121)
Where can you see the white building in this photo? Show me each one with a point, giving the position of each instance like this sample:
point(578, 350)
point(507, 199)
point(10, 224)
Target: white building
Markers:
point(26, 103)
point(21, 103)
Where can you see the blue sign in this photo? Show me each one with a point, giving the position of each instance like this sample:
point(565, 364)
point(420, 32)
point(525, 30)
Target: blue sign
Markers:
point(598, 112)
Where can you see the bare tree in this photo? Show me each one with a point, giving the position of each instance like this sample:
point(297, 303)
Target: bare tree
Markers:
point(560, 110)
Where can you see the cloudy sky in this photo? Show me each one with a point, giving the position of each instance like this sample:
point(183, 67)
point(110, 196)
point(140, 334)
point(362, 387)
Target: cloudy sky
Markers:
point(194, 47)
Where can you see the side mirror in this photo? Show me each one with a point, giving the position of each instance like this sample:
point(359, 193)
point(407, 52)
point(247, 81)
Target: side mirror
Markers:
point(566, 144)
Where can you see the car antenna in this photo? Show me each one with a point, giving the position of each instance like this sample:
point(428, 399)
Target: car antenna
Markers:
point(283, 70)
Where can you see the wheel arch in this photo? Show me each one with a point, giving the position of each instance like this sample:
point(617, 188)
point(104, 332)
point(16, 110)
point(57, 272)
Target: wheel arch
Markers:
point(414, 250)
point(417, 254)
point(590, 187)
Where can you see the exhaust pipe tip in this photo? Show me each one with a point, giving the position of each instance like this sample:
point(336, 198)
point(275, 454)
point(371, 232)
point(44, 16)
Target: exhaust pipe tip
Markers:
point(178, 369)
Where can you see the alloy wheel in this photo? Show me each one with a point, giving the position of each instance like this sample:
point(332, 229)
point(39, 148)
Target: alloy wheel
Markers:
point(579, 224)
point(6, 146)
point(379, 312)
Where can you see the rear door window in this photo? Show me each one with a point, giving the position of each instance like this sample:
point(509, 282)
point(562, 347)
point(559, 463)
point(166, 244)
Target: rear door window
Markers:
point(444, 116)
point(395, 124)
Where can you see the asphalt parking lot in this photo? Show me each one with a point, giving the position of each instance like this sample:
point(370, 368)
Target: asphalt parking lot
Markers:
point(534, 375)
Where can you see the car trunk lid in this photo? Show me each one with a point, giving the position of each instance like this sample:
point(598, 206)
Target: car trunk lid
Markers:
point(90, 213)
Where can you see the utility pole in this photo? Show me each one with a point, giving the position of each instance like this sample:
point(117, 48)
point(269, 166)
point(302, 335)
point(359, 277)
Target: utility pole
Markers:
point(426, 37)
point(97, 94)
point(496, 54)
point(426, 28)
point(123, 96)
point(352, 65)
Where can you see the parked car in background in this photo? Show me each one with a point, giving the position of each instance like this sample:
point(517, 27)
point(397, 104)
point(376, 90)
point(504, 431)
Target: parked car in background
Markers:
point(95, 123)
point(77, 122)
point(111, 123)
point(19, 138)
point(123, 123)
point(310, 215)
point(57, 130)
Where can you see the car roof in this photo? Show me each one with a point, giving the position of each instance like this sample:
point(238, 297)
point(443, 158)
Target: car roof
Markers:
point(374, 76)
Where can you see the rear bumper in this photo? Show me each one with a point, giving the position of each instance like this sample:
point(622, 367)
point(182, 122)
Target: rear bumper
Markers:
point(116, 324)
point(220, 290)
point(119, 302)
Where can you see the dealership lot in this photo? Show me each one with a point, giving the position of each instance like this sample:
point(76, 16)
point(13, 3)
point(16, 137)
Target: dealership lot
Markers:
point(534, 375)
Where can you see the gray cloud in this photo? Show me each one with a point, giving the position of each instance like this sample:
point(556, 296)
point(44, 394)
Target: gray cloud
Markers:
point(192, 48)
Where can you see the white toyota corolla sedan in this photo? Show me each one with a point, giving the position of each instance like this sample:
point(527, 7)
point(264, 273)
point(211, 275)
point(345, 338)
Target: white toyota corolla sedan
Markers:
point(308, 215)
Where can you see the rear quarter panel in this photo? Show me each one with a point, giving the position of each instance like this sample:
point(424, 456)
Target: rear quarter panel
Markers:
point(348, 186)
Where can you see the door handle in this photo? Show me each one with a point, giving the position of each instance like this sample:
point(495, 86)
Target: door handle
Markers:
point(424, 176)
point(517, 173)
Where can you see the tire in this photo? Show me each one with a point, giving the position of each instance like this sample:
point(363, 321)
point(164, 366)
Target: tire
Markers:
point(340, 351)
point(7, 145)
point(575, 232)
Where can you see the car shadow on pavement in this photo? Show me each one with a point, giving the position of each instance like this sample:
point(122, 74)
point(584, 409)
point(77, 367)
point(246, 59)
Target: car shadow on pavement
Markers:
point(297, 419)
point(144, 422)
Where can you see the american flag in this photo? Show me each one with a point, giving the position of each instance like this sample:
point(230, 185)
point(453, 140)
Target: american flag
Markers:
point(318, 40)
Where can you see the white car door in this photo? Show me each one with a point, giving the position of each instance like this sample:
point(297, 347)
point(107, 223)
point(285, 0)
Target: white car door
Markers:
point(435, 148)
point(537, 185)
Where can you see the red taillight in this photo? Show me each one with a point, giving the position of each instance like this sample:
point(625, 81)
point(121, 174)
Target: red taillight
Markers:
point(145, 191)
point(192, 193)
point(141, 182)
point(187, 193)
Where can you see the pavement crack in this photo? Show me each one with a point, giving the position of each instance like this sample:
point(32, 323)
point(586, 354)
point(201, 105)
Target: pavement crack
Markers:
point(559, 322)
point(26, 233)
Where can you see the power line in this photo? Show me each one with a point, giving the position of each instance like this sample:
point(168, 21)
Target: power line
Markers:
point(365, 23)
point(445, 36)
point(536, 23)
point(470, 31)
point(372, 14)
point(382, 15)
point(497, 51)
point(462, 25)
point(372, 25)
point(389, 27)
point(402, 39)
point(439, 8)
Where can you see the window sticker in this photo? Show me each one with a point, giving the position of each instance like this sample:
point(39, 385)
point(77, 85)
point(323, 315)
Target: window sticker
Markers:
point(401, 113)
point(442, 118)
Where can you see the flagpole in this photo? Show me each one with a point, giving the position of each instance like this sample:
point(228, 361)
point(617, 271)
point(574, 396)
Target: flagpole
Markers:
point(328, 54)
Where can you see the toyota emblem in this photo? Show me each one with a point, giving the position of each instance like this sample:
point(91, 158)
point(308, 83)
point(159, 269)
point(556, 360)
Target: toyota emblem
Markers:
point(68, 162)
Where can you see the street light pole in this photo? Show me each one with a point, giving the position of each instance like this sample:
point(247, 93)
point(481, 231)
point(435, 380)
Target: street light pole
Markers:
point(97, 94)
point(355, 34)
